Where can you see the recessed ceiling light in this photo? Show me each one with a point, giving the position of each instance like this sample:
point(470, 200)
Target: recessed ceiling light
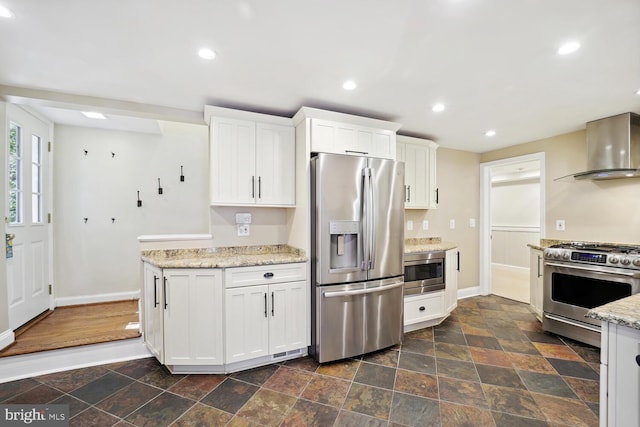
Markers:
point(94, 115)
point(638, 92)
point(568, 48)
point(5, 13)
point(349, 85)
point(206, 53)
point(437, 108)
point(490, 132)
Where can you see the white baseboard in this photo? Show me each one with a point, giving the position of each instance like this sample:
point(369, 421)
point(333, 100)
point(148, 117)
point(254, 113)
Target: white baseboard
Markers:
point(473, 291)
point(6, 338)
point(46, 362)
point(92, 299)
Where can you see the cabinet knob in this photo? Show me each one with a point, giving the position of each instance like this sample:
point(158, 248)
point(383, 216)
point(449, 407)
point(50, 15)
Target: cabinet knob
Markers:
point(638, 359)
point(422, 308)
point(268, 275)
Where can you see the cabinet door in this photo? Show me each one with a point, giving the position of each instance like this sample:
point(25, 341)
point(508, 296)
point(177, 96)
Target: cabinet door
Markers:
point(420, 308)
point(452, 268)
point(232, 162)
point(536, 275)
point(247, 323)
point(153, 311)
point(383, 144)
point(287, 317)
point(416, 176)
point(193, 316)
point(432, 186)
point(275, 165)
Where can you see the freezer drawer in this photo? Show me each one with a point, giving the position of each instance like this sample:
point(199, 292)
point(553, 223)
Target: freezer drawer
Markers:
point(357, 318)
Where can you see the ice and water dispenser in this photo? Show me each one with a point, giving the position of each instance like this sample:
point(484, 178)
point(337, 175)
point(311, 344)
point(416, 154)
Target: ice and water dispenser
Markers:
point(344, 244)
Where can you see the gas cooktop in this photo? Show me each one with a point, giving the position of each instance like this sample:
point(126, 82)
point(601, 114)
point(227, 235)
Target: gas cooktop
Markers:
point(620, 256)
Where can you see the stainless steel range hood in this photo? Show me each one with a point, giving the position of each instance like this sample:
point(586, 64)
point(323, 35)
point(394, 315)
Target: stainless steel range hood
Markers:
point(613, 148)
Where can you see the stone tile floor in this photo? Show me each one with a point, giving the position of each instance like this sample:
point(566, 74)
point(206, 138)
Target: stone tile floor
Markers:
point(488, 364)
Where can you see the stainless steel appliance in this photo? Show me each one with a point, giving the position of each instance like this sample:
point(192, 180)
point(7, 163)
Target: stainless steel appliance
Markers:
point(357, 217)
point(423, 272)
point(579, 277)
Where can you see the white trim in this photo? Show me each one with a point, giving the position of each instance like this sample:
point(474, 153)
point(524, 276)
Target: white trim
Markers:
point(6, 338)
point(45, 362)
point(229, 113)
point(485, 211)
point(92, 299)
point(517, 228)
point(473, 291)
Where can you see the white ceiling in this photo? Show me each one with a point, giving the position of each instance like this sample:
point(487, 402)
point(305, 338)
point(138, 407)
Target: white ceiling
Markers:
point(493, 63)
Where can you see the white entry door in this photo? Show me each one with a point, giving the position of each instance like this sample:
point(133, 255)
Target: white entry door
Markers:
point(28, 169)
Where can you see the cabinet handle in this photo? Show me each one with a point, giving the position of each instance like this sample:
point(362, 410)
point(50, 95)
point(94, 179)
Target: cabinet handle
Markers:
point(265, 304)
point(458, 254)
point(638, 359)
point(272, 305)
point(437, 196)
point(357, 152)
point(405, 194)
point(259, 187)
point(164, 291)
point(539, 258)
point(155, 291)
point(268, 275)
point(422, 308)
point(253, 187)
point(409, 196)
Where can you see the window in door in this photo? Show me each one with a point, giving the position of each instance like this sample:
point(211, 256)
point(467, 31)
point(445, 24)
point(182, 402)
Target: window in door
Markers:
point(36, 179)
point(16, 201)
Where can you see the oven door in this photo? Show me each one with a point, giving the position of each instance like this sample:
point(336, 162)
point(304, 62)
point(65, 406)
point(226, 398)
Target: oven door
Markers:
point(571, 290)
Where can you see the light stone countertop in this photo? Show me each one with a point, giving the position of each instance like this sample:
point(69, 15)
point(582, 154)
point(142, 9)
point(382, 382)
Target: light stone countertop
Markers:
point(428, 244)
point(224, 257)
point(625, 311)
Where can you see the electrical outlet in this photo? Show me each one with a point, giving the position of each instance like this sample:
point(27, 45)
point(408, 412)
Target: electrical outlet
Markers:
point(244, 230)
point(452, 224)
point(409, 225)
point(472, 222)
point(425, 224)
point(560, 225)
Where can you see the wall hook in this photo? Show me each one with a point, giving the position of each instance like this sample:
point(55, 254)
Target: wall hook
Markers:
point(181, 175)
point(113, 154)
point(85, 152)
point(113, 220)
point(85, 220)
point(139, 201)
point(159, 187)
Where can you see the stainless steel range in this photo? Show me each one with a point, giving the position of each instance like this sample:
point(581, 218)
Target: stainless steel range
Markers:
point(581, 276)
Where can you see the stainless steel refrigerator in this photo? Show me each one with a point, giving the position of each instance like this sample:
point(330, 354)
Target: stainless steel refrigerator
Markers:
point(357, 223)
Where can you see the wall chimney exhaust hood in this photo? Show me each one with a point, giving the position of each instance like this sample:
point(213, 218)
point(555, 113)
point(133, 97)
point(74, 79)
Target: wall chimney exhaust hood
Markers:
point(613, 148)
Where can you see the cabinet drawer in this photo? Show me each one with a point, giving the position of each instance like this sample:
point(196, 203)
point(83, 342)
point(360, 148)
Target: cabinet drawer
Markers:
point(423, 307)
point(264, 274)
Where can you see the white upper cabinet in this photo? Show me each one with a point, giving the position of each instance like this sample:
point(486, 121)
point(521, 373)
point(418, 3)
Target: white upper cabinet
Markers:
point(252, 159)
point(420, 188)
point(339, 133)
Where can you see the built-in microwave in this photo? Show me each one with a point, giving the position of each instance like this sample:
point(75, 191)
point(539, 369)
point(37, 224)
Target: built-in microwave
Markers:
point(423, 272)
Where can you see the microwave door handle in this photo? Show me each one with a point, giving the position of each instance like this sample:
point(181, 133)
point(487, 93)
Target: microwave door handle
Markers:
point(591, 270)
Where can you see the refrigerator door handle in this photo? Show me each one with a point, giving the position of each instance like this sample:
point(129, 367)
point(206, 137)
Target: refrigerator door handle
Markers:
point(362, 291)
point(372, 216)
point(366, 182)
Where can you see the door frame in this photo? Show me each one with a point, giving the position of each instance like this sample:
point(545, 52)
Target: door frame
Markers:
point(485, 211)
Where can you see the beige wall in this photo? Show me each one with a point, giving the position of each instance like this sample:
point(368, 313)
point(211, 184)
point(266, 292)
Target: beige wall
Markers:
point(607, 211)
point(458, 181)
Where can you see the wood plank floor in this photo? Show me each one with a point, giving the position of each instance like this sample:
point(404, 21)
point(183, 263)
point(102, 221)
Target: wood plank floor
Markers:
point(77, 325)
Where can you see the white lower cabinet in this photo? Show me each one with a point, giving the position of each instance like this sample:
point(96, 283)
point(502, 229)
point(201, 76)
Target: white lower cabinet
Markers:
point(192, 316)
point(452, 267)
point(536, 274)
point(619, 376)
point(423, 307)
point(265, 319)
point(153, 311)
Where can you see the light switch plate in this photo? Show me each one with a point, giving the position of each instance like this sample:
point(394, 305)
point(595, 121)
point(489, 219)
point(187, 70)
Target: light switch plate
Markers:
point(425, 224)
point(452, 224)
point(409, 225)
point(472, 222)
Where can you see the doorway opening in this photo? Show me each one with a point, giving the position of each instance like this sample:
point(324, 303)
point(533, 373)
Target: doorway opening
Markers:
point(511, 217)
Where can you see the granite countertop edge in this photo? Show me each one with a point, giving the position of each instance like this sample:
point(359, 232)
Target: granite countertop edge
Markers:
point(625, 312)
point(224, 257)
point(428, 244)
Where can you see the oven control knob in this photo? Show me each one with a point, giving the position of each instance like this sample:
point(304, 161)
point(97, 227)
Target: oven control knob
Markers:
point(636, 262)
point(565, 255)
point(613, 259)
point(548, 253)
point(625, 261)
